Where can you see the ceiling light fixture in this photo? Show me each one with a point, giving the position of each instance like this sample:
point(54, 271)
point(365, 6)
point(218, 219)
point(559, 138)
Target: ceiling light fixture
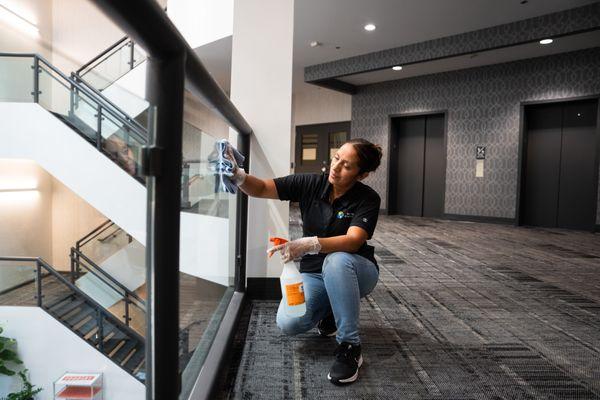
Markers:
point(546, 41)
point(370, 27)
point(397, 68)
point(314, 43)
point(15, 20)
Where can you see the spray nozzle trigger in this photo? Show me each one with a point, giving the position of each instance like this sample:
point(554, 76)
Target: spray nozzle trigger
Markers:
point(276, 242)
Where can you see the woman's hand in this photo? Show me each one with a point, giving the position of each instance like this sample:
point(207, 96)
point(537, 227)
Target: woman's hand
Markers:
point(239, 175)
point(296, 248)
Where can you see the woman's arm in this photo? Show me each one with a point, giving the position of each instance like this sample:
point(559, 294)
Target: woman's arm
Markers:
point(261, 188)
point(354, 238)
point(350, 243)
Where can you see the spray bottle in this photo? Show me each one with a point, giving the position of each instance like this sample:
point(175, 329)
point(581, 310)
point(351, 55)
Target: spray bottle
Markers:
point(292, 286)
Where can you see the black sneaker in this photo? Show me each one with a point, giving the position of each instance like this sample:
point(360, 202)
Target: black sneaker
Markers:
point(347, 362)
point(326, 327)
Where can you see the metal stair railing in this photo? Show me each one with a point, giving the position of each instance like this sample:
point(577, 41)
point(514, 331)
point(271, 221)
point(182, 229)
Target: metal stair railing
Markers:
point(80, 261)
point(89, 114)
point(100, 312)
point(123, 47)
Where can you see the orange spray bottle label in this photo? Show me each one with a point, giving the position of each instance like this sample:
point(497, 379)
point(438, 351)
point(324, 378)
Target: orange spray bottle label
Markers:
point(294, 294)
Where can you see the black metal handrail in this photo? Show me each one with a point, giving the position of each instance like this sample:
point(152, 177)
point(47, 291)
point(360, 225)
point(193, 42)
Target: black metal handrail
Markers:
point(141, 135)
point(104, 107)
point(106, 225)
point(113, 235)
point(171, 61)
point(101, 311)
point(101, 55)
point(77, 264)
point(106, 100)
point(76, 256)
point(84, 240)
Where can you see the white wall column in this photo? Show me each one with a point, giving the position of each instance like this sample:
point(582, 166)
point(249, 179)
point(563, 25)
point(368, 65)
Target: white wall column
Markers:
point(261, 88)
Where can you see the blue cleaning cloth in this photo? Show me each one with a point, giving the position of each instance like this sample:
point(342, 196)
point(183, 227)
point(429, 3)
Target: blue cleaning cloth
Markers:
point(222, 167)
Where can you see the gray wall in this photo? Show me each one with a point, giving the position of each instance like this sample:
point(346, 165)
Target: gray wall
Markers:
point(483, 107)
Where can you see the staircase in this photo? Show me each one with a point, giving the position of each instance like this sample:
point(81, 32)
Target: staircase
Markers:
point(87, 318)
point(100, 329)
point(110, 268)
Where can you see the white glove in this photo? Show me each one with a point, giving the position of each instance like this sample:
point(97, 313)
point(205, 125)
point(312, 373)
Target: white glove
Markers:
point(297, 248)
point(239, 175)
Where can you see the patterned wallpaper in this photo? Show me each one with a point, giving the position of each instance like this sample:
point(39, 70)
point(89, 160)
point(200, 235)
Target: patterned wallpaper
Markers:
point(550, 25)
point(483, 107)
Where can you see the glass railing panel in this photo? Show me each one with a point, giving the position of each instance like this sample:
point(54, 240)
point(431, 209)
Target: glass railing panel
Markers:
point(122, 144)
point(207, 227)
point(17, 286)
point(199, 192)
point(65, 102)
point(114, 65)
point(106, 244)
point(16, 79)
point(124, 303)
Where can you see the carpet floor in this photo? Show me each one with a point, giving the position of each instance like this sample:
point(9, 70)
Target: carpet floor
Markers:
point(461, 311)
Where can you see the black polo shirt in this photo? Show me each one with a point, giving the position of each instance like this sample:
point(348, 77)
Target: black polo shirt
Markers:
point(359, 206)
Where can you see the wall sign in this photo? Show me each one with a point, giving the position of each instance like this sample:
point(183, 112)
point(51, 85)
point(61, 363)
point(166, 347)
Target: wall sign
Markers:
point(480, 153)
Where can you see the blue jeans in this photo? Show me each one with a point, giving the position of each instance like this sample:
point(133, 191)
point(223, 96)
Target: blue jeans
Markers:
point(344, 279)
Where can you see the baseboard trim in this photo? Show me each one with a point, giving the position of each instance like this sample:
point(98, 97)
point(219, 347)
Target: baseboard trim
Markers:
point(263, 289)
point(477, 218)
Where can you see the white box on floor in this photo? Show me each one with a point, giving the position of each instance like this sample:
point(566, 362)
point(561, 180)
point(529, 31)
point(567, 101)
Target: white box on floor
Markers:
point(72, 386)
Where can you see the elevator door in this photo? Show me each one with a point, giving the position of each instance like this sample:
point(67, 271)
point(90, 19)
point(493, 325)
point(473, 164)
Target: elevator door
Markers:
point(559, 166)
point(417, 175)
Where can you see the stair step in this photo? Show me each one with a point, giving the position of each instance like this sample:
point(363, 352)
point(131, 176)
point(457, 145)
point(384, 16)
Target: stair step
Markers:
point(64, 308)
point(111, 344)
point(79, 316)
point(86, 328)
point(107, 331)
point(124, 351)
point(133, 365)
point(60, 302)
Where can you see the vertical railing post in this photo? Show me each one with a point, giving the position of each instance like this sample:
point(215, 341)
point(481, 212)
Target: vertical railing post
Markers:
point(163, 164)
point(72, 266)
point(127, 309)
point(99, 128)
point(38, 282)
point(36, 79)
point(241, 223)
point(131, 55)
point(72, 96)
point(185, 186)
point(100, 333)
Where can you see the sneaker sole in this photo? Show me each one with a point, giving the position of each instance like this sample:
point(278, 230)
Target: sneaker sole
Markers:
point(326, 335)
point(347, 380)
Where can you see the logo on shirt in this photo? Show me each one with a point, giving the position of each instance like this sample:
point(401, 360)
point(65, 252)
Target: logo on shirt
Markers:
point(342, 214)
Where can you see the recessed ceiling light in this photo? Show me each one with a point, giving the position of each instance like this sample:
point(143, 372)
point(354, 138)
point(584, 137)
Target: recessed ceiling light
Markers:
point(370, 27)
point(314, 43)
point(546, 41)
point(397, 68)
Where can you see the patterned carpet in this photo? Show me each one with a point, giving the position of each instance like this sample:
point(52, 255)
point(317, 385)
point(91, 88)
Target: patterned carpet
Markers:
point(461, 311)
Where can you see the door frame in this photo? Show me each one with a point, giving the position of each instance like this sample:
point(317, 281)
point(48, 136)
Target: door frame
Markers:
point(523, 144)
point(390, 139)
point(298, 128)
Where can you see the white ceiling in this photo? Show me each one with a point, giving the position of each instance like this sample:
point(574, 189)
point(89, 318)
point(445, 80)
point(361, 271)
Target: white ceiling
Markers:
point(399, 22)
